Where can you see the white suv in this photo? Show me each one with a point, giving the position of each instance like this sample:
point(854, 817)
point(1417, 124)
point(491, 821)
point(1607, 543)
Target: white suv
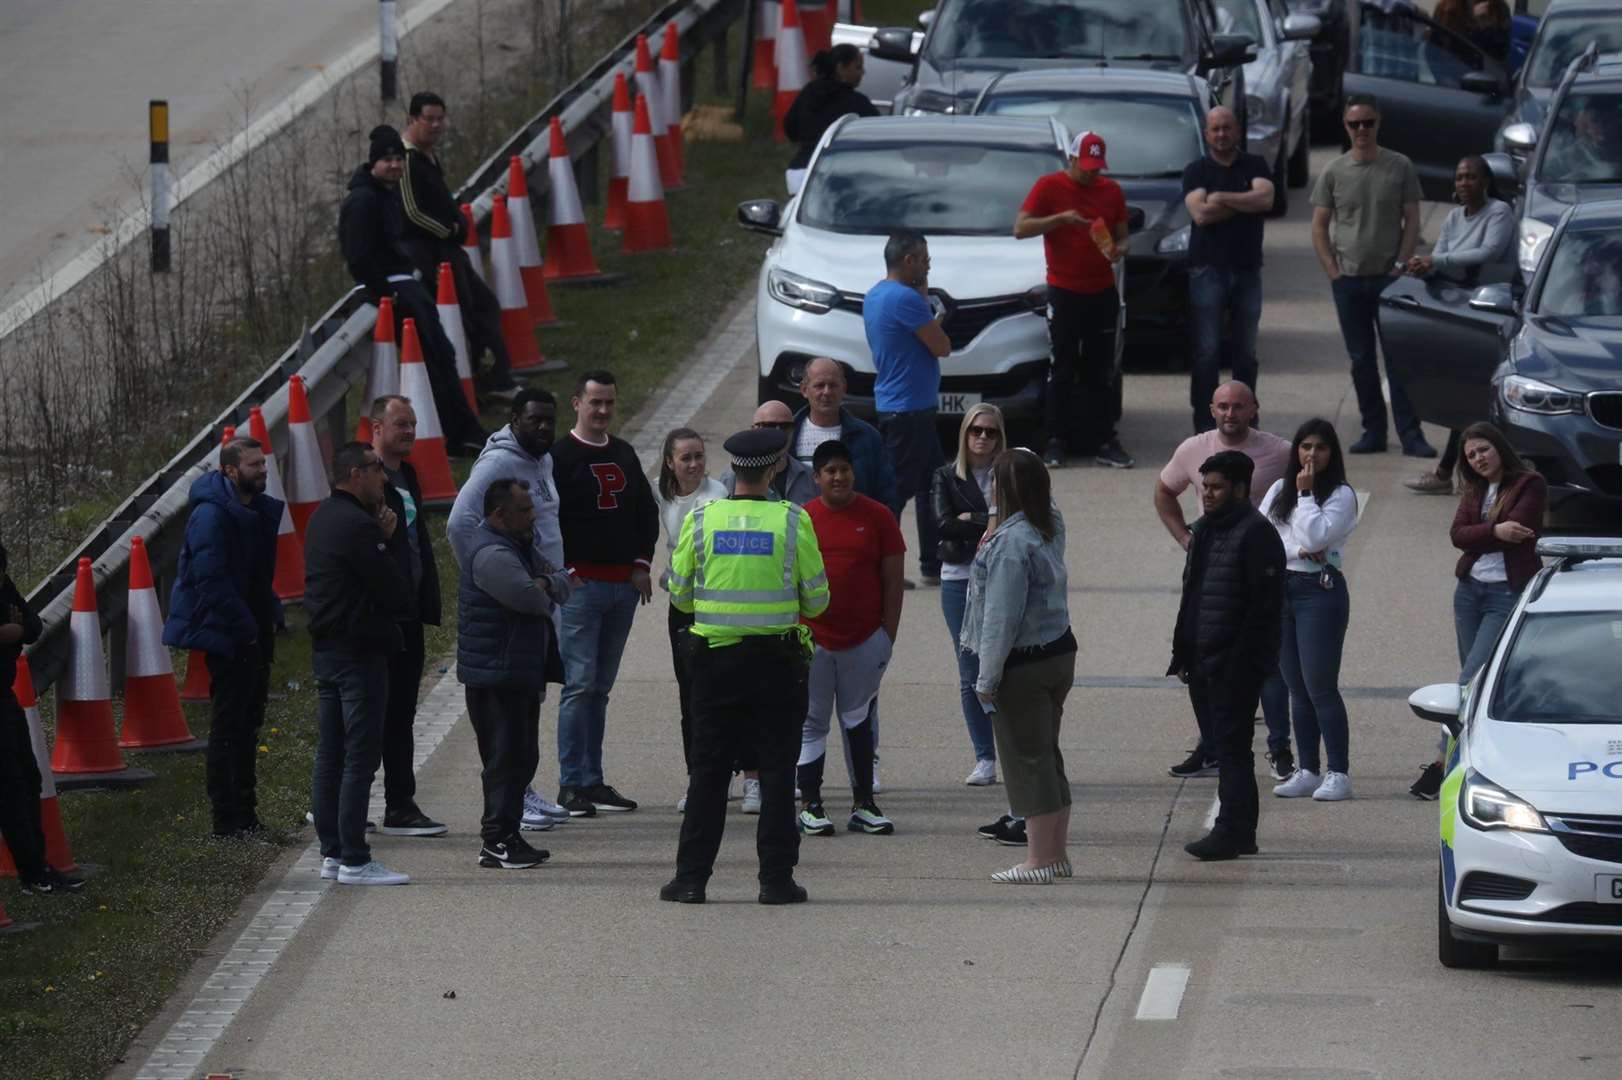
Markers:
point(960, 182)
point(1531, 822)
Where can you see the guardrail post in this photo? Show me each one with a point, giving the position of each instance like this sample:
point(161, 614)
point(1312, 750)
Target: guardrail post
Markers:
point(388, 48)
point(157, 123)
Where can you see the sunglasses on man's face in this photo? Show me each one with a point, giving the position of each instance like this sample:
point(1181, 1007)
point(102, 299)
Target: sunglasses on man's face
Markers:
point(984, 432)
point(780, 425)
point(1355, 124)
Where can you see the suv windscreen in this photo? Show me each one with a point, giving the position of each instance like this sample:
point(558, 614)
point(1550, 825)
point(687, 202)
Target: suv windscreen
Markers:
point(936, 188)
point(1561, 39)
point(1152, 135)
point(1239, 17)
point(1059, 29)
point(1585, 275)
point(1584, 140)
point(1561, 669)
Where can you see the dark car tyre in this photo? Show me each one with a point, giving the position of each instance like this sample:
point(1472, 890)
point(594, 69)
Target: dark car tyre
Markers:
point(1452, 952)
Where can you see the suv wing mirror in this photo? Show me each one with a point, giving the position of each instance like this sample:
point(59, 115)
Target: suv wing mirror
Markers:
point(893, 43)
point(762, 216)
point(1228, 50)
point(1439, 704)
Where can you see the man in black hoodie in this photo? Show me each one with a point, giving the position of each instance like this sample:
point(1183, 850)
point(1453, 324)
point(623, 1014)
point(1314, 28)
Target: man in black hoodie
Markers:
point(372, 235)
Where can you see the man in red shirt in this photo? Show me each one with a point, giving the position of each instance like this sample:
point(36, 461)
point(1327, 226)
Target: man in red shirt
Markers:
point(1080, 214)
point(862, 554)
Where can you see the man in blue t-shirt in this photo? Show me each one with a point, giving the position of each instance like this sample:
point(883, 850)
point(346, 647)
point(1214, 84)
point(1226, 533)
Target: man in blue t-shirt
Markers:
point(907, 342)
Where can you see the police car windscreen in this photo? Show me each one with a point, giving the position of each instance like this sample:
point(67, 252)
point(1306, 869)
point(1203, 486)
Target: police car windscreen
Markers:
point(1563, 669)
point(935, 188)
point(1058, 29)
point(1152, 135)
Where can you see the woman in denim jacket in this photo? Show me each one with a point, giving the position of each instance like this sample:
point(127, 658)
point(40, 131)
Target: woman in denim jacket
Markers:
point(1017, 624)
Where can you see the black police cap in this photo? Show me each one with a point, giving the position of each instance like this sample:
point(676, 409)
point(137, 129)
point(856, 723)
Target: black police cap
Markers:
point(756, 448)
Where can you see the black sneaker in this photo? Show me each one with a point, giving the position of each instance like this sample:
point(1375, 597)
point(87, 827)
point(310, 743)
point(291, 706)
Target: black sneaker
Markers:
point(1280, 764)
point(786, 892)
point(1011, 834)
point(575, 801)
point(606, 798)
point(868, 818)
point(512, 853)
point(1429, 784)
point(1196, 764)
point(814, 820)
point(412, 822)
point(1053, 454)
point(1112, 454)
point(1217, 846)
point(52, 882)
point(1370, 443)
point(990, 831)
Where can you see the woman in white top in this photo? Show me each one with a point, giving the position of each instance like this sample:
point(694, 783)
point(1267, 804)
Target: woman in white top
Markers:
point(1314, 511)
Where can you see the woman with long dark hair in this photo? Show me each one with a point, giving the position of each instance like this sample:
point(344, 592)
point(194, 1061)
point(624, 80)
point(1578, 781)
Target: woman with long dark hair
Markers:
point(1314, 510)
point(827, 97)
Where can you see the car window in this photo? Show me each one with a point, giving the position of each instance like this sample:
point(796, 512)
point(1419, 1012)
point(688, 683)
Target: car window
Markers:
point(1154, 135)
point(1585, 275)
point(876, 188)
point(1239, 17)
point(1398, 44)
point(1561, 669)
point(1584, 141)
point(1060, 29)
point(1563, 37)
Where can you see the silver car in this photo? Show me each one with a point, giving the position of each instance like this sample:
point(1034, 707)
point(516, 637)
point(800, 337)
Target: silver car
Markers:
point(1276, 86)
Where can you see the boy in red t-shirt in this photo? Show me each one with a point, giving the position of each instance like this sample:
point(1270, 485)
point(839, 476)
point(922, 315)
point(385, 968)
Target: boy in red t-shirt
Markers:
point(862, 554)
point(1080, 214)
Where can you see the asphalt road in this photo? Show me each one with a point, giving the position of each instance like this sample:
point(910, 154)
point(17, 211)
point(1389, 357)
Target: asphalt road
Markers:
point(1315, 959)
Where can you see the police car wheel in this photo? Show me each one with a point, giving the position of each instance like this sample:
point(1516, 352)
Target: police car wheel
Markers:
point(1452, 952)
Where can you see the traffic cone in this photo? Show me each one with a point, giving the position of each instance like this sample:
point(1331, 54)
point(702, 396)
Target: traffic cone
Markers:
point(670, 95)
point(289, 581)
point(647, 222)
point(470, 242)
point(57, 852)
point(384, 375)
point(792, 71)
point(507, 281)
point(306, 471)
point(817, 23)
point(428, 455)
point(568, 243)
point(450, 318)
point(152, 716)
point(767, 15)
point(530, 267)
point(85, 740)
point(619, 166)
point(647, 86)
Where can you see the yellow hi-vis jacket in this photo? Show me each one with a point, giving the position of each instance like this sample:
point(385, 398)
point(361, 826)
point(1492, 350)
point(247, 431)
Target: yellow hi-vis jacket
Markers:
point(747, 567)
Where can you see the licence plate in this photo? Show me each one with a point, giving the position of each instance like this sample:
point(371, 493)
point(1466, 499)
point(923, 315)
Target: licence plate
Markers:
point(957, 403)
point(1608, 888)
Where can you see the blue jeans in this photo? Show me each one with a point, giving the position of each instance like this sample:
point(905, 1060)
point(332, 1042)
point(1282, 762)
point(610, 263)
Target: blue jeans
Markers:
point(352, 691)
point(1218, 294)
point(1275, 703)
point(954, 598)
point(1480, 609)
point(592, 628)
point(1309, 658)
point(1357, 306)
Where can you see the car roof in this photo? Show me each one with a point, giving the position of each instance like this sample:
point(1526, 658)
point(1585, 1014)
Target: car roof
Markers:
point(947, 130)
point(1588, 586)
point(1099, 80)
point(1599, 214)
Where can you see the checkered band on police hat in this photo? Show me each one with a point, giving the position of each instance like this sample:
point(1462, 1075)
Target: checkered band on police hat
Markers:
point(756, 448)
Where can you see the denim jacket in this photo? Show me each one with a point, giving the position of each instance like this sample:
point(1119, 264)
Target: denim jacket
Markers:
point(1018, 596)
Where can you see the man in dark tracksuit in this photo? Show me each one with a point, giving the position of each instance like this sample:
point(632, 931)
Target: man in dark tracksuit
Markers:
point(435, 231)
point(1227, 640)
point(355, 597)
point(372, 235)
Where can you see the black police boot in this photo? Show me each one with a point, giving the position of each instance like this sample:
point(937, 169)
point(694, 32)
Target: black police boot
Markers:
point(682, 892)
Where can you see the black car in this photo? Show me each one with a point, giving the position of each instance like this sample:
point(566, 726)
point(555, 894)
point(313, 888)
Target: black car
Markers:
point(1563, 33)
point(1546, 370)
point(1150, 121)
point(1329, 47)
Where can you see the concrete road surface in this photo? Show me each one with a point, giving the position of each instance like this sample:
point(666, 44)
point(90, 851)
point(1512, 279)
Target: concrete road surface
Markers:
point(1315, 959)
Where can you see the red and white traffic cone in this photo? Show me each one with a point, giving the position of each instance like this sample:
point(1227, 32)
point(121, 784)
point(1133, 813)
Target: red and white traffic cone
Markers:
point(450, 318)
point(152, 716)
point(289, 580)
point(568, 241)
point(428, 454)
point(57, 852)
point(792, 70)
point(530, 265)
point(647, 86)
point(817, 23)
point(619, 165)
point(85, 739)
point(507, 282)
point(670, 96)
point(383, 377)
point(647, 222)
point(470, 242)
point(768, 13)
point(306, 470)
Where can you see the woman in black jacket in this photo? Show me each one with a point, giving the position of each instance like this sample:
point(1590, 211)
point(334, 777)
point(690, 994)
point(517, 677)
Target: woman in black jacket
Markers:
point(963, 499)
point(824, 99)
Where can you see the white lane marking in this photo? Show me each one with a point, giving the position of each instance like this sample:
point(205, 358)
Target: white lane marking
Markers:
point(1211, 814)
point(1163, 992)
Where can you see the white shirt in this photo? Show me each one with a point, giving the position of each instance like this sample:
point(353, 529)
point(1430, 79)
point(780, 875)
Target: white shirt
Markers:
point(674, 511)
point(1313, 526)
point(1490, 567)
point(960, 571)
point(812, 436)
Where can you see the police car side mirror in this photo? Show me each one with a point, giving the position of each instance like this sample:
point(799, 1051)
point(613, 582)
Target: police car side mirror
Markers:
point(1438, 703)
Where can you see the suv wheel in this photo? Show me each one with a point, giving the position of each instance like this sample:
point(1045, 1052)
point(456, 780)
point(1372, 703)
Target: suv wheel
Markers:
point(1452, 952)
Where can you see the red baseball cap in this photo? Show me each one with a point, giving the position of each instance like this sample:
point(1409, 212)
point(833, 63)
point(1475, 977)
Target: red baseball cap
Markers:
point(1089, 149)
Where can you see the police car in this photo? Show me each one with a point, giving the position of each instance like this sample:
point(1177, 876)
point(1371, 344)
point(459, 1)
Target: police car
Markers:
point(1531, 807)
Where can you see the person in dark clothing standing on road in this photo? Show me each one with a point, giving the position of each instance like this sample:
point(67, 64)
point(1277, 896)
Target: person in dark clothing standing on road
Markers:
point(355, 597)
point(1080, 214)
point(1227, 640)
point(372, 235)
point(1227, 193)
point(823, 100)
point(225, 605)
point(504, 627)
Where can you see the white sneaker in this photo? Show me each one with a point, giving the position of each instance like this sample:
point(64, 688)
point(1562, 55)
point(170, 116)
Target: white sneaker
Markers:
point(985, 772)
point(540, 814)
point(1300, 784)
point(681, 805)
point(373, 873)
point(329, 869)
point(732, 787)
point(751, 796)
point(1336, 786)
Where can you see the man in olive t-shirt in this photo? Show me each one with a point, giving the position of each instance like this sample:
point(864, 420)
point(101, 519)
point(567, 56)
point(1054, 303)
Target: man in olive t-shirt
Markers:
point(1365, 224)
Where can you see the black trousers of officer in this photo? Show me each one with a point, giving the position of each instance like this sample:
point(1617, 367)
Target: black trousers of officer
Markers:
point(19, 791)
point(399, 752)
point(748, 700)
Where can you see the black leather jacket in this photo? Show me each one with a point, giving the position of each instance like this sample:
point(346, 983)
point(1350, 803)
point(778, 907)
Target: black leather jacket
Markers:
point(952, 495)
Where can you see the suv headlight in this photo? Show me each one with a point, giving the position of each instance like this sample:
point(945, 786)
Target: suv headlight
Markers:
point(1484, 805)
point(1534, 396)
point(925, 102)
point(1257, 112)
point(1174, 242)
point(800, 292)
point(1531, 238)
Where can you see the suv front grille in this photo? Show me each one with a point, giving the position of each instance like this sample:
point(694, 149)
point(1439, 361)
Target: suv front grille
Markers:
point(1591, 837)
point(968, 319)
point(1482, 885)
point(1606, 408)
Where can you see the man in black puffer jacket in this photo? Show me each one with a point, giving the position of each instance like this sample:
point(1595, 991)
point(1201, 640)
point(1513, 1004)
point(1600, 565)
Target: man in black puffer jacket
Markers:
point(1227, 640)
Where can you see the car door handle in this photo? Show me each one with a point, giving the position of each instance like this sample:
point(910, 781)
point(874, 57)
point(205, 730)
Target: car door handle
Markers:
point(1408, 303)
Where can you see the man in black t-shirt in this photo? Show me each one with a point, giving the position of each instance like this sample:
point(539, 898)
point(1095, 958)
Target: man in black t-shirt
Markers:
point(1227, 192)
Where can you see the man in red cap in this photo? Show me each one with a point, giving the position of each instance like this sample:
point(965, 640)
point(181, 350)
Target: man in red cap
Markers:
point(1080, 214)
